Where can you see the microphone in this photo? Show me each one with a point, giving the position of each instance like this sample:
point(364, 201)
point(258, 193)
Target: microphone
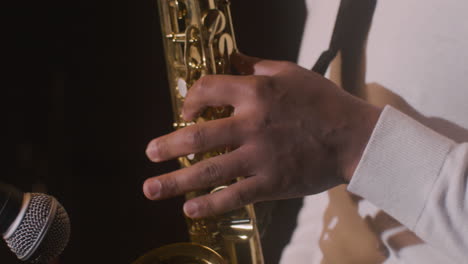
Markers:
point(35, 226)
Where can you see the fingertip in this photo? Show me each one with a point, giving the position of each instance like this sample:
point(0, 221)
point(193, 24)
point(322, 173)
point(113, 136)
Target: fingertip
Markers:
point(152, 189)
point(146, 190)
point(187, 116)
point(191, 209)
point(152, 152)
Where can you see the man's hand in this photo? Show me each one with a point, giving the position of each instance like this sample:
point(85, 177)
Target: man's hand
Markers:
point(294, 133)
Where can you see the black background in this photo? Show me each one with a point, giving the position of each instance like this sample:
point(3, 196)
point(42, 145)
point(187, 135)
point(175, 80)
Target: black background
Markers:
point(84, 87)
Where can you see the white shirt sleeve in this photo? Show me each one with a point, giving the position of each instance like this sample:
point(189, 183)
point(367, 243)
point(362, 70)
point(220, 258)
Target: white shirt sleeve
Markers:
point(420, 178)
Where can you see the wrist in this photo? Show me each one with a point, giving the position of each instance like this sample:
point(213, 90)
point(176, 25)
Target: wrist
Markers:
point(362, 124)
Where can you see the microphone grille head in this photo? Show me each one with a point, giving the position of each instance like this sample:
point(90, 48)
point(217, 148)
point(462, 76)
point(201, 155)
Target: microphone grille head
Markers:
point(42, 232)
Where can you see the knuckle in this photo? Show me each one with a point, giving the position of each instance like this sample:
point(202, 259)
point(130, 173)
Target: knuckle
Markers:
point(279, 185)
point(207, 206)
point(259, 123)
point(284, 65)
point(170, 187)
point(211, 173)
point(196, 138)
point(241, 198)
point(195, 89)
point(260, 87)
point(248, 162)
point(204, 81)
point(263, 82)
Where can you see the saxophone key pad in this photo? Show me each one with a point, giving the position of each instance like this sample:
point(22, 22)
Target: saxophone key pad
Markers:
point(182, 87)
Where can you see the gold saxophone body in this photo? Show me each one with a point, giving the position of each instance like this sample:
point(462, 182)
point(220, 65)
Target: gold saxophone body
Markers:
point(199, 40)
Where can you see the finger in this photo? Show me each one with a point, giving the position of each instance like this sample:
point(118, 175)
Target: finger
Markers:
point(205, 174)
point(217, 90)
point(244, 192)
point(247, 65)
point(197, 138)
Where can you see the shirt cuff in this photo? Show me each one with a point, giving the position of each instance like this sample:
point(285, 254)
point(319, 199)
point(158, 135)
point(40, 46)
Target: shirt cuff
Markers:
point(400, 165)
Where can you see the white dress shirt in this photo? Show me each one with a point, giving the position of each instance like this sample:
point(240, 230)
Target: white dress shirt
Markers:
point(415, 164)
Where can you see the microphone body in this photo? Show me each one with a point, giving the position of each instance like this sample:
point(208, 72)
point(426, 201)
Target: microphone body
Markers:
point(11, 200)
point(35, 226)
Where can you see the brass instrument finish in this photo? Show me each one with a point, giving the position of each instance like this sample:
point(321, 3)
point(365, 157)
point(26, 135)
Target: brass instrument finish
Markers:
point(199, 40)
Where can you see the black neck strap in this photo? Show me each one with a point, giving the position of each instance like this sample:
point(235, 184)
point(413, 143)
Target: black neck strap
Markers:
point(351, 29)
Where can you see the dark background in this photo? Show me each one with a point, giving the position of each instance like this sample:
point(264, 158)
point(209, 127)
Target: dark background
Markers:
point(85, 89)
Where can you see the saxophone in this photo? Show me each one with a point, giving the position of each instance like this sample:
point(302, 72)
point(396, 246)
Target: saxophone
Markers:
point(199, 40)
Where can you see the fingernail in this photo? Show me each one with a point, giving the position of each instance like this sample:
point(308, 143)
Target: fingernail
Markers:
point(190, 209)
point(153, 189)
point(152, 153)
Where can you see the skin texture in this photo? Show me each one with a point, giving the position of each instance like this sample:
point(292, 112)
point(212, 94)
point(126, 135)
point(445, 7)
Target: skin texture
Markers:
point(294, 133)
